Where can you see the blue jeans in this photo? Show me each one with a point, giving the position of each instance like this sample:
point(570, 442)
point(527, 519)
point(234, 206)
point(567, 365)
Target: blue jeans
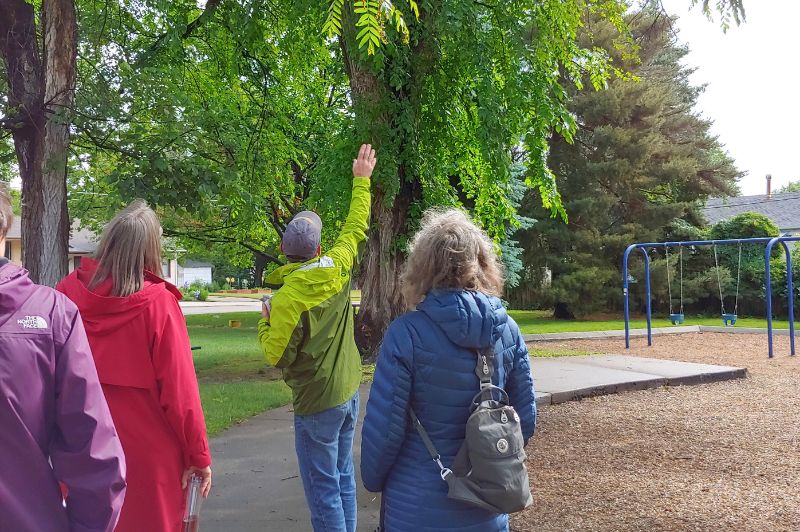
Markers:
point(324, 445)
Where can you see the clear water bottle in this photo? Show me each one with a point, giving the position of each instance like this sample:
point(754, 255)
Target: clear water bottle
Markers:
point(194, 500)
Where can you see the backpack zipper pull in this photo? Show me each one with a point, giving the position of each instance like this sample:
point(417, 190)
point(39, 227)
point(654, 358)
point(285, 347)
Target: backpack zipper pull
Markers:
point(485, 365)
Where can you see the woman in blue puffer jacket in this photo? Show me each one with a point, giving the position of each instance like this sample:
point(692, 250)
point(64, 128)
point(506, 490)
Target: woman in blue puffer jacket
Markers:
point(427, 362)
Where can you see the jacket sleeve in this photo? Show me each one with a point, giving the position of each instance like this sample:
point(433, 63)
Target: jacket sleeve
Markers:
point(346, 248)
point(178, 392)
point(281, 337)
point(386, 421)
point(519, 386)
point(85, 451)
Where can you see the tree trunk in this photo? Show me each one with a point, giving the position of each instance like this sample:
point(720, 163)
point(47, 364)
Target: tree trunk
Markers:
point(40, 94)
point(381, 300)
point(259, 262)
point(60, 47)
point(378, 104)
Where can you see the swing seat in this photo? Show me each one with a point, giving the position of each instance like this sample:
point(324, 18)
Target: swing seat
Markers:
point(729, 320)
point(677, 318)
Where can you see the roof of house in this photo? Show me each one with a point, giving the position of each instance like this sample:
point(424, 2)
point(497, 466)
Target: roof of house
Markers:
point(783, 209)
point(197, 264)
point(81, 242)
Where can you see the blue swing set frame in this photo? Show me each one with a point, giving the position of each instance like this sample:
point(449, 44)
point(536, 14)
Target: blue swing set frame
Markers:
point(769, 244)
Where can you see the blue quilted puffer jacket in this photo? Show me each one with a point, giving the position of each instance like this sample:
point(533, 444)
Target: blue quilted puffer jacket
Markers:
point(427, 362)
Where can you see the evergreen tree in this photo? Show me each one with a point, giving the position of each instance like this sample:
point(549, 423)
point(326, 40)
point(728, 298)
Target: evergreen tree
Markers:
point(641, 158)
point(792, 186)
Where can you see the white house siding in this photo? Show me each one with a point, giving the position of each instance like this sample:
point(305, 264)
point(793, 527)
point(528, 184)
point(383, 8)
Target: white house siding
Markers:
point(187, 276)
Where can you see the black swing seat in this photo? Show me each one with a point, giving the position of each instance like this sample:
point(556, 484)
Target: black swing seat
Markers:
point(677, 318)
point(729, 319)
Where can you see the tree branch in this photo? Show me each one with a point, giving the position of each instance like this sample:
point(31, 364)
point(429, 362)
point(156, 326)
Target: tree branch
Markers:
point(268, 255)
point(156, 47)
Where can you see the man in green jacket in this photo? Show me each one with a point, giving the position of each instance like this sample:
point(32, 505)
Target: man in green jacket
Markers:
point(307, 331)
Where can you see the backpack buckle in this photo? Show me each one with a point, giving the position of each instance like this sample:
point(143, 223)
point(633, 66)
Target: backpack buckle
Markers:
point(443, 471)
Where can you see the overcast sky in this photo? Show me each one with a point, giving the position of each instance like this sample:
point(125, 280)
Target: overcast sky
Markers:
point(752, 79)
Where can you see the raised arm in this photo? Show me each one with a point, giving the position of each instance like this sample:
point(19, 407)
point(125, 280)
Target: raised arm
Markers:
point(345, 250)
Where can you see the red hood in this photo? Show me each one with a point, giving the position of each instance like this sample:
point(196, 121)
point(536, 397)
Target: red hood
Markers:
point(102, 312)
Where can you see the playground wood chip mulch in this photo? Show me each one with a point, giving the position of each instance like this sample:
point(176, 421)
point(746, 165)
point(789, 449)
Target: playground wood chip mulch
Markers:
point(721, 456)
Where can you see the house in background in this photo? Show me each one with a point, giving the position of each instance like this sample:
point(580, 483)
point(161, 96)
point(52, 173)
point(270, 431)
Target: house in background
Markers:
point(82, 243)
point(192, 271)
point(783, 209)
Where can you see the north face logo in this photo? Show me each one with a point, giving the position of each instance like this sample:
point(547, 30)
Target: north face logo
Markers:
point(33, 322)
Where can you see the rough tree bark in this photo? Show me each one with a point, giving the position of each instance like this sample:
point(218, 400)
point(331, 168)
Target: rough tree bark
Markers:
point(381, 300)
point(375, 102)
point(40, 94)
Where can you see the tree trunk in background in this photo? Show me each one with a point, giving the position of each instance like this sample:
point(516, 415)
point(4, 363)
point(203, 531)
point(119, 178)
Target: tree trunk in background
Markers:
point(259, 263)
point(40, 93)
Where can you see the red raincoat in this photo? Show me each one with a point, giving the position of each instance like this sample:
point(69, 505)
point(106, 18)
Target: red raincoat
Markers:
point(144, 362)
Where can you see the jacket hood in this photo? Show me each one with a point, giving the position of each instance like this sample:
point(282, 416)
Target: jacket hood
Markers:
point(102, 312)
point(313, 276)
point(15, 287)
point(469, 319)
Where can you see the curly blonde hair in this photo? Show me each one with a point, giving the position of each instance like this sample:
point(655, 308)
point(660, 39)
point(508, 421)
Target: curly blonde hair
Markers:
point(450, 251)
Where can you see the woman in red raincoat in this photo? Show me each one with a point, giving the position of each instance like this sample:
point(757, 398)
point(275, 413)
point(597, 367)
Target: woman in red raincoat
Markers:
point(141, 349)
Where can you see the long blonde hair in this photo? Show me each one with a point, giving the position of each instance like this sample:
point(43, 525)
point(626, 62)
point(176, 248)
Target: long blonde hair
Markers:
point(130, 245)
point(450, 251)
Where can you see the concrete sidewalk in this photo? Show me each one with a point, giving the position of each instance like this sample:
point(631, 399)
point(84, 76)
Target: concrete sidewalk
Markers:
point(220, 306)
point(256, 487)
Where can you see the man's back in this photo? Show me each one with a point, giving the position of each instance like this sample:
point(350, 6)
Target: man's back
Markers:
point(310, 333)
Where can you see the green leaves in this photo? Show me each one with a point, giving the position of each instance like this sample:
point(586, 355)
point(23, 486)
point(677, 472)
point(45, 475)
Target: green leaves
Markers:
point(726, 9)
point(333, 22)
point(372, 17)
point(371, 21)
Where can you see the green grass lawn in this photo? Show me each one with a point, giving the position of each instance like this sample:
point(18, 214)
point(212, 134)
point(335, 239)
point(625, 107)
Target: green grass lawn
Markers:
point(539, 322)
point(228, 403)
point(236, 383)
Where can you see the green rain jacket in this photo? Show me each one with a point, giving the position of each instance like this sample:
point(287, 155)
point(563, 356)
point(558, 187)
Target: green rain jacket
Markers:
point(310, 333)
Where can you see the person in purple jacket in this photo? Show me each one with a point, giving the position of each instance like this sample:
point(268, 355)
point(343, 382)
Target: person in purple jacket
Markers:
point(61, 463)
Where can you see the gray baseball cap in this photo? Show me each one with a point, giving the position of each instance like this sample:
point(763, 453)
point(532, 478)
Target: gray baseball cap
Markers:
point(302, 235)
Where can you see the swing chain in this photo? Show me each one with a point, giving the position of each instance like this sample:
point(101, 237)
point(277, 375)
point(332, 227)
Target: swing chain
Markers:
point(738, 278)
point(719, 280)
point(669, 283)
point(680, 260)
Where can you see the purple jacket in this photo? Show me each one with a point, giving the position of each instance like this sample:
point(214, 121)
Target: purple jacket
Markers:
point(52, 411)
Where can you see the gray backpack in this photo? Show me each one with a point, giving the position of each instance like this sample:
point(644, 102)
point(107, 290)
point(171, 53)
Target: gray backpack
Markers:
point(489, 470)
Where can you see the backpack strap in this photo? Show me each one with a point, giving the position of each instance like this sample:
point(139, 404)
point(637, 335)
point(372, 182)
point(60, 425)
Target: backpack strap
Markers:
point(484, 369)
point(443, 471)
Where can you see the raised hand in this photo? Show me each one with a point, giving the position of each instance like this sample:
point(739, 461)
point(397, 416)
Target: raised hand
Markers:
point(364, 164)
